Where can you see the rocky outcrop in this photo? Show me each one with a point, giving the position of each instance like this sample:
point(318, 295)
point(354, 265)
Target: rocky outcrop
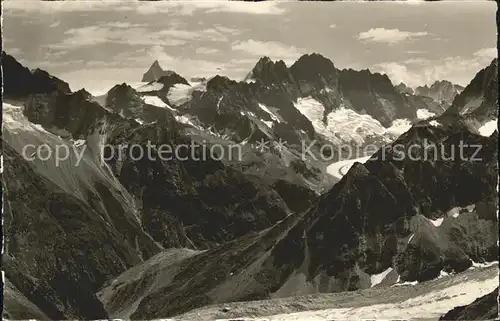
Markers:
point(483, 308)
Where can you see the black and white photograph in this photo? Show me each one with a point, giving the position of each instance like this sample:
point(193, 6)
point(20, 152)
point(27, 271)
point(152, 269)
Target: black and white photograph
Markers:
point(249, 161)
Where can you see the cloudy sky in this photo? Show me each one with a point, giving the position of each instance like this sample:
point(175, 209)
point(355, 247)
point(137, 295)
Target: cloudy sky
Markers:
point(97, 44)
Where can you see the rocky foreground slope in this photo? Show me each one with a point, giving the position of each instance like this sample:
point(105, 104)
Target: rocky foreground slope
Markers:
point(144, 238)
point(483, 308)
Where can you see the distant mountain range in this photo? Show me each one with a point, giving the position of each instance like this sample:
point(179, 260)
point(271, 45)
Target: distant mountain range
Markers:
point(145, 238)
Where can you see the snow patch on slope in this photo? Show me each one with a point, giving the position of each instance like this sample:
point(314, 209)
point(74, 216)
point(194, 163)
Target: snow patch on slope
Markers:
point(488, 128)
point(435, 123)
point(437, 222)
point(424, 114)
point(179, 94)
point(156, 101)
point(149, 87)
point(273, 116)
point(377, 278)
point(15, 121)
point(399, 127)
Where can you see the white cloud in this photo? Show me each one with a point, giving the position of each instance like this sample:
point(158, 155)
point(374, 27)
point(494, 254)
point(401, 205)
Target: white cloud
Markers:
point(131, 34)
point(55, 24)
point(417, 61)
point(487, 53)
point(272, 49)
point(141, 7)
point(188, 8)
point(456, 69)
point(332, 26)
point(389, 36)
point(206, 51)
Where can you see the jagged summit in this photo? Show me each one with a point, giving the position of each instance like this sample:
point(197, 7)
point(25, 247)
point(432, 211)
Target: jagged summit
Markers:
point(440, 90)
point(155, 72)
point(219, 82)
point(268, 71)
point(21, 81)
point(404, 89)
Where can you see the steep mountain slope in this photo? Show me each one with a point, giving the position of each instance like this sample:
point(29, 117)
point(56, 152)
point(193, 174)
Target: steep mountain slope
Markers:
point(57, 217)
point(383, 214)
point(479, 97)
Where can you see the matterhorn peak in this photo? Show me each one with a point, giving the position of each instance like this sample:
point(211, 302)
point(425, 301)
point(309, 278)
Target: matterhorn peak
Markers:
point(154, 72)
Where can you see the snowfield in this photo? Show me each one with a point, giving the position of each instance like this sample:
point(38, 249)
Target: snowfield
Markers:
point(425, 300)
point(156, 101)
point(179, 94)
point(346, 125)
point(144, 87)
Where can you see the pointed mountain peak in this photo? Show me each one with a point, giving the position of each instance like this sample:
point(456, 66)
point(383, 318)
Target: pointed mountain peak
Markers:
point(83, 93)
point(154, 72)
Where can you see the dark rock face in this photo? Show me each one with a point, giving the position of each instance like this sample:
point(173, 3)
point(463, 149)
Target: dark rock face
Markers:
point(484, 308)
point(479, 98)
point(374, 94)
point(19, 81)
point(440, 91)
point(155, 72)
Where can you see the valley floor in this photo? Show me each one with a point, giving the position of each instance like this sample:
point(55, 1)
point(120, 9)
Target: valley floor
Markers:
point(422, 301)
